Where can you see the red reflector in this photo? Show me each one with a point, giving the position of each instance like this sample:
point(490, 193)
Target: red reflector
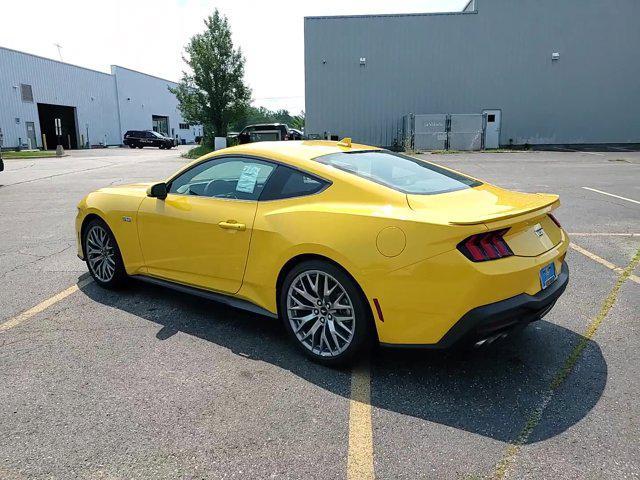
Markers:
point(485, 246)
point(378, 309)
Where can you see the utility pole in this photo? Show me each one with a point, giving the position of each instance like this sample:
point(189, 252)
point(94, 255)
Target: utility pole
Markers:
point(59, 50)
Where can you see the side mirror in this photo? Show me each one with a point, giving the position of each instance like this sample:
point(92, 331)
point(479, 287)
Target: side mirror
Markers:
point(159, 190)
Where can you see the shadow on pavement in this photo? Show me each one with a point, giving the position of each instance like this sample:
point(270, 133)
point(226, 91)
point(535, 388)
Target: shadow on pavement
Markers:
point(489, 391)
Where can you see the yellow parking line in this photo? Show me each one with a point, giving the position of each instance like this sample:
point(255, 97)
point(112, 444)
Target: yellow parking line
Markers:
point(360, 454)
point(42, 306)
point(604, 262)
point(512, 451)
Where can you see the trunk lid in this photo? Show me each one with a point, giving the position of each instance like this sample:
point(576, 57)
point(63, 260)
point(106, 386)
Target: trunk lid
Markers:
point(531, 230)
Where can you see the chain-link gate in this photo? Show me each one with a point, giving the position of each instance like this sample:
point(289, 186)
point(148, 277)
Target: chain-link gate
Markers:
point(430, 132)
point(443, 131)
point(466, 131)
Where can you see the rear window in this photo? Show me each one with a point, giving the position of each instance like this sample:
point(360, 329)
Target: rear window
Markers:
point(400, 172)
point(288, 183)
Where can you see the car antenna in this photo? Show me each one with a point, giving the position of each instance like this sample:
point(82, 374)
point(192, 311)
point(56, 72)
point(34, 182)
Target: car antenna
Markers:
point(345, 142)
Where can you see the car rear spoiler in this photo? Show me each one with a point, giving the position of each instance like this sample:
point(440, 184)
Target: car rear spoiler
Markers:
point(550, 202)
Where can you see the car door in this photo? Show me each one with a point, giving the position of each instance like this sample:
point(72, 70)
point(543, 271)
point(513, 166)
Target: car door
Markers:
point(199, 234)
point(151, 139)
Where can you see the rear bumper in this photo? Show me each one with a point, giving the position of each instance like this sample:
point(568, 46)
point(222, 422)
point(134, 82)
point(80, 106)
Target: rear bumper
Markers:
point(490, 320)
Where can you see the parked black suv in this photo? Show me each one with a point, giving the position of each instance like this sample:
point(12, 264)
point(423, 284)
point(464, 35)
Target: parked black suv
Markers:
point(264, 132)
point(147, 138)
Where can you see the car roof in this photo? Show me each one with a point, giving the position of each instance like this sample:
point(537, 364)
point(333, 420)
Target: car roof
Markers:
point(268, 125)
point(299, 153)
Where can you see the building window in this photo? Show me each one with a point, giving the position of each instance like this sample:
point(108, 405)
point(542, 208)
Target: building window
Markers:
point(184, 126)
point(27, 93)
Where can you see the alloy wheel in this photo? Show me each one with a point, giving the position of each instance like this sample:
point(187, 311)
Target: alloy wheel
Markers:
point(321, 313)
point(100, 254)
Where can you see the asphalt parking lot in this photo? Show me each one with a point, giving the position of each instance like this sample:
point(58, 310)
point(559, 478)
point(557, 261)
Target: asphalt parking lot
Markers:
point(148, 383)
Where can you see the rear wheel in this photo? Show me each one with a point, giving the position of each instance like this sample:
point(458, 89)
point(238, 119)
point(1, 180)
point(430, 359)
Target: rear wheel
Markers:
point(103, 255)
point(325, 313)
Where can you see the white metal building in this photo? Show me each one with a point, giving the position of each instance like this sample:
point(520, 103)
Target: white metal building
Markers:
point(91, 107)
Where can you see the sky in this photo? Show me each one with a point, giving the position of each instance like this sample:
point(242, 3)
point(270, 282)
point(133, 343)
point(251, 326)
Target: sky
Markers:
point(150, 35)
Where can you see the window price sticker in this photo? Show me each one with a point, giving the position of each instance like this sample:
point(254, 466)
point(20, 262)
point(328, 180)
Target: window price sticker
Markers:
point(248, 179)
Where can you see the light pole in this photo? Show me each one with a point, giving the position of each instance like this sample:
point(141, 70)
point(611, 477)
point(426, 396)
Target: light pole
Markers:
point(1, 141)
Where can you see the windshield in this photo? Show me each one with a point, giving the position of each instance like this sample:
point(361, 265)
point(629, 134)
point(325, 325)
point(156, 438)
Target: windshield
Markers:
point(156, 134)
point(400, 172)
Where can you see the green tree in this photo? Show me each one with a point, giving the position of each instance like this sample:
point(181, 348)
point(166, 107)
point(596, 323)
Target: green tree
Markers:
point(264, 115)
point(213, 94)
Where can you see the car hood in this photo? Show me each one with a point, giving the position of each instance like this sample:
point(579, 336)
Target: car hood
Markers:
point(129, 189)
point(482, 204)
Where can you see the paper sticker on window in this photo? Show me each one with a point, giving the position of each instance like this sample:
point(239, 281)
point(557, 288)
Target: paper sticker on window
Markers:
point(248, 179)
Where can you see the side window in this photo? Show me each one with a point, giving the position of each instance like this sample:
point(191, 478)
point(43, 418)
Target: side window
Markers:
point(287, 183)
point(229, 177)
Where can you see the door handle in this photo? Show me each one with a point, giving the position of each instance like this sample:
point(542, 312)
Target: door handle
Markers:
point(232, 225)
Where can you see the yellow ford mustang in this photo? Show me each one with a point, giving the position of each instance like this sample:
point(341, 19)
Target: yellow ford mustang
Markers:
point(347, 243)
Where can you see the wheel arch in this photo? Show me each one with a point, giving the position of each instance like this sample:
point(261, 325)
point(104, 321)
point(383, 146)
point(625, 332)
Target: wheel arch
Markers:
point(83, 228)
point(303, 257)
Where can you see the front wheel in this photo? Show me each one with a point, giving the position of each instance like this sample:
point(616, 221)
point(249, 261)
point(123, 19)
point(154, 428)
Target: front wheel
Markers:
point(325, 313)
point(103, 255)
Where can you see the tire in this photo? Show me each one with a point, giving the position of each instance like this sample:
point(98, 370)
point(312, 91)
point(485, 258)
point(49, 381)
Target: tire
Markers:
point(98, 240)
point(131, 145)
point(333, 342)
point(140, 147)
point(161, 147)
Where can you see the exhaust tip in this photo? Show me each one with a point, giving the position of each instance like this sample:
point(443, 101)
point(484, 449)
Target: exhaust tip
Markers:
point(490, 340)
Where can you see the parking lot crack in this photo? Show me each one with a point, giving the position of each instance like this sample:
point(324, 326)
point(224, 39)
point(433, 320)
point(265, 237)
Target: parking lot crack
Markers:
point(38, 258)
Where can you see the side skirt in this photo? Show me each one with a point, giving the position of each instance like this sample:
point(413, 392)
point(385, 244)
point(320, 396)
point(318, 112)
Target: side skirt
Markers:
point(215, 296)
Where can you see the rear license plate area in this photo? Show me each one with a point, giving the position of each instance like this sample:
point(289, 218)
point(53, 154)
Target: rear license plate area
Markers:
point(547, 275)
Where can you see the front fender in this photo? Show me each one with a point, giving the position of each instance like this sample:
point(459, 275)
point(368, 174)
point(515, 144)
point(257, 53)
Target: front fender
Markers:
point(119, 212)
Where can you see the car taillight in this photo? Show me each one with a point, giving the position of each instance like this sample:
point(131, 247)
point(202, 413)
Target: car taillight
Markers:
point(485, 246)
point(555, 220)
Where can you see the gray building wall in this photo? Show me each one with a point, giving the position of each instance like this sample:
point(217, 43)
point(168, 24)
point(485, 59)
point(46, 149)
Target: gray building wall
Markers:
point(92, 93)
point(496, 57)
point(140, 96)
point(100, 99)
